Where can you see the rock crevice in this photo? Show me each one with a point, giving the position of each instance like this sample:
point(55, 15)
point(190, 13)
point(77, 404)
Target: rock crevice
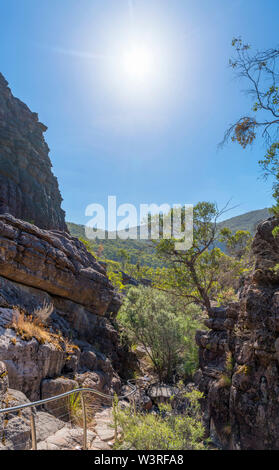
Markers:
point(239, 356)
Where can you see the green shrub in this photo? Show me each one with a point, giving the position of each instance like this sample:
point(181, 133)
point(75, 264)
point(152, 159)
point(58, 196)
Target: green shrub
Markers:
point(161, 431)
point(164, 327)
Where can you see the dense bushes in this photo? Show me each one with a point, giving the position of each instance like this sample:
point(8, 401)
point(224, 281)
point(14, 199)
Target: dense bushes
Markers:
point(164, 430)
point(163, 327)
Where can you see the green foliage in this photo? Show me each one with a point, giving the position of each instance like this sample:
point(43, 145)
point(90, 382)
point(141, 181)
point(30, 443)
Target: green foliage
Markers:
point(224, 381)
point(243, 369)
point(225, 378)
point(143, 261)
point(203, 272)
point(275, 231)
point(87, 244)
point(113, 268)
point(140, 252)
point(75, 408)
point(238, 243)
point(226, 296)
point(275, 269)
point(261, 71)
point(163, 327)
point(165, 430)
point(229, 362)
point(75, 402)
point(115, 278)
point(124, 257)
point(270, 167)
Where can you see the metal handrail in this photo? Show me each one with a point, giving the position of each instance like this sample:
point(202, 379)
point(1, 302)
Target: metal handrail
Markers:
point(63, 395)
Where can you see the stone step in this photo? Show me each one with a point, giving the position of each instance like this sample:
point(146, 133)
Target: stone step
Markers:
point(67, 439)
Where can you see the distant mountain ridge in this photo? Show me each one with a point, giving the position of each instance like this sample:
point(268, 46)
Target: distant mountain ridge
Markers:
point(144, 248)
point(247, 221)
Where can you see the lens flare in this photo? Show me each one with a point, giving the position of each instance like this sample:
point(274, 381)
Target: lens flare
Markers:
point(138, 63)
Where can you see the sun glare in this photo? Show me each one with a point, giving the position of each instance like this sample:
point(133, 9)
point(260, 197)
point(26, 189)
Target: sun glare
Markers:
point(138, 63)
point(137, 67)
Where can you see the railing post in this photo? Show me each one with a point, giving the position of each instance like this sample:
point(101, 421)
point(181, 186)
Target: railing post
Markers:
point(33, 430)
point(84, 422)
point(33, 405)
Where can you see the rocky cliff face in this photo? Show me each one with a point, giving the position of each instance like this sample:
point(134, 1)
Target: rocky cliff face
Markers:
point(47, 270)
point(38, 268)
point(28, 189)
point(239, 357)
point(55, 262)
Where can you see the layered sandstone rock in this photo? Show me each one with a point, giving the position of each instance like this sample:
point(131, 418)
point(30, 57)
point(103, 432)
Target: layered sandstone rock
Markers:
point(27, 361)
point(239, 357)
point(38, 268)
point(51, 433)
point(4, 382)
point(95, 349)
point(28, 188)
point(49, 275)
point(54, 262)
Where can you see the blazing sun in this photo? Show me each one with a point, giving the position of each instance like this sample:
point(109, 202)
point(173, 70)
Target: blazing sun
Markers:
point(138, 64)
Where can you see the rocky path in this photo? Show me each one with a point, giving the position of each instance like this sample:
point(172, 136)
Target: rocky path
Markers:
point(104, 439)
point(68, 438)
point(52, 433)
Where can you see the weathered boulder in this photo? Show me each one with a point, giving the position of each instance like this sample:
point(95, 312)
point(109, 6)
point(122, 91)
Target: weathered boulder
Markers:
point(88, 360)
point(89, 343)
point(46, 426)
point(28, 188)
point(238, 356)
point(4, 382)
point(97, 380)
point(15, 426)
point(52, 387)
point(27, 362)
point(54, 262)
point(67, 439)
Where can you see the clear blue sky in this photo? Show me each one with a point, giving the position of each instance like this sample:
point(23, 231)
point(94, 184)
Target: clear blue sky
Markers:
point(151, 143)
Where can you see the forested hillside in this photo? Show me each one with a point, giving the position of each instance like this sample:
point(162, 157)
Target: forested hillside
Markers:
point(142, 251)
point(247, 221)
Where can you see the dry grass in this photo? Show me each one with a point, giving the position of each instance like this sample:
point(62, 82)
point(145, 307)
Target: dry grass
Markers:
point(28, 327)
point(93, 404)
point(43, 312)
point(70, 347)
point(244, 369)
